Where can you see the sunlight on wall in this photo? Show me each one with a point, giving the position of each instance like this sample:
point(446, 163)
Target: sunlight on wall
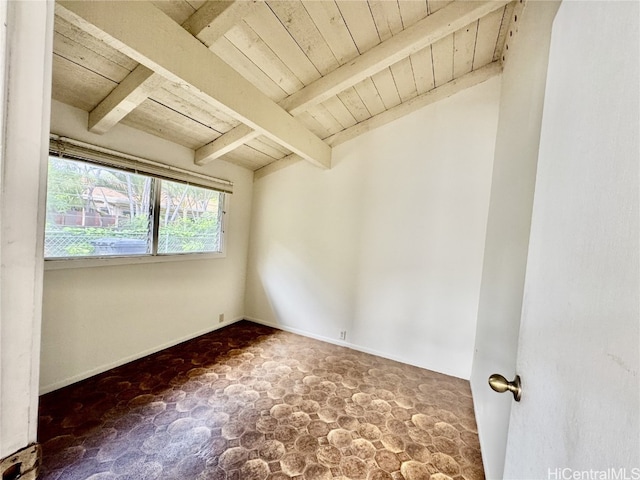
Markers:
point(388, 244)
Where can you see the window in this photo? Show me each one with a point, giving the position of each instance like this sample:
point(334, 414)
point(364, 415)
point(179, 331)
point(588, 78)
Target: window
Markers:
point(189, 219)
point(99, 211)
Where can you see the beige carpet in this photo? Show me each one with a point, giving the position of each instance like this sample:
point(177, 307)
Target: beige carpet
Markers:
point(252, 403)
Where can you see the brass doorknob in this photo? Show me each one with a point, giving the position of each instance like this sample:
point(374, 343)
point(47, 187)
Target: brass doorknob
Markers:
point(500, 384)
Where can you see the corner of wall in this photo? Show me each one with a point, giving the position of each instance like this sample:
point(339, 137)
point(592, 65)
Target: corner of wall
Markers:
point(156, 304)
point(399, 275)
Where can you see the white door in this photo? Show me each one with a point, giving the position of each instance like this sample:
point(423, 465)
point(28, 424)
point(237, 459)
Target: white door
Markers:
point(578, 352)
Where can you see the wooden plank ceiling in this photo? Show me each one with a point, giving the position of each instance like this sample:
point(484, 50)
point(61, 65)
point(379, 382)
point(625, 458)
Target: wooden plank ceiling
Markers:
point(304, 75)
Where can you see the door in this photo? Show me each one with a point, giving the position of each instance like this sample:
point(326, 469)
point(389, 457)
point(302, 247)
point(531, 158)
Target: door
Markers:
point(579, 335)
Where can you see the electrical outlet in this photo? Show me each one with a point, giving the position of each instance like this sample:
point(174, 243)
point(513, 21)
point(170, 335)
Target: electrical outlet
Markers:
point(343, 334)
point(221, 318)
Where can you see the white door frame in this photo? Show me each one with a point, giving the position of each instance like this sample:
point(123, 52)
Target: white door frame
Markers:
point(25, 63)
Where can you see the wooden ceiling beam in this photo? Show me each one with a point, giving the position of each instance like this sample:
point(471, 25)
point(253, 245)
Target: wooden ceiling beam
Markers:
point(275, 166)
point(439, 93)
point(127, 96)
point(224, 144)
point(208, 23)
point(145, 34)
point(216, 17)
point(427, 31)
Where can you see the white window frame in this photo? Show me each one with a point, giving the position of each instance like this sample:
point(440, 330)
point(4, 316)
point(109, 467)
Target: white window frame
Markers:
point(74, 150)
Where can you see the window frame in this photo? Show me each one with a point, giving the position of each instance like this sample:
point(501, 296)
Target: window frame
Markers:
point(56, 263)
point(156, 208)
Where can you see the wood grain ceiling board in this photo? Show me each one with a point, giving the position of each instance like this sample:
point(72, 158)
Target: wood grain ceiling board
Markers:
point(258, 156)
point(504, 28)
point(268, 147)
point(487, 39)
point(181, 100)
point(352, 101)
point(466, 81)
point(404, 79)
point(370, 97)
point(442, 52)
point(196, 4)
point(254, 153)
point(386, 15)
point(412, 11)
point(361, 25)
point(242, 160)
point(92, 45)
point(314, 125)
point(325, 118)
point(273, 33)
point(245, 39)
point(386, 86)
point(422, 64)
point(301, 27)
point(427, 31)
point(155, 118)
point(464, 49)
point(331, 25)
point(248, 157)
point(435, 5)
point(234, 57)
point(211, 21)
point(178, 10)
point(278, 150)
point(340, 112)
point(282, 47)
point(78, 86)
point(79, 54)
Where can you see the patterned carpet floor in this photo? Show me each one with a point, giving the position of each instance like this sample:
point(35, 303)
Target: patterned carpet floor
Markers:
point(249, 402)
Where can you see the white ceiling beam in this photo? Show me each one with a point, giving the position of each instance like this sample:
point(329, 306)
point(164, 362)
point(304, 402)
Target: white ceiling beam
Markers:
point(216, 17)
point(411, 40)
point(145, 34)
point(439, 93)
point(275, 166)
point(208, 23)
point(427, 31)
point(128, 95)
point(224, 144)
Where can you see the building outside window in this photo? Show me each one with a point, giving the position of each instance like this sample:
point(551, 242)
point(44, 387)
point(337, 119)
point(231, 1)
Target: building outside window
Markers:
point(95, 210)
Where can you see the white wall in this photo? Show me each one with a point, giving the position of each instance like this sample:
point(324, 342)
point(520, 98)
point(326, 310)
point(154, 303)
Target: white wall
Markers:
point(507, 240)
point(98, 317)
point(26, 37)
point(579, 339)
point(388, 244)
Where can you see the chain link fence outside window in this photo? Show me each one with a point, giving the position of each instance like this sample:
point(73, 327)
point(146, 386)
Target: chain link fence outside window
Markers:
point(114, 243)
point(95, 211)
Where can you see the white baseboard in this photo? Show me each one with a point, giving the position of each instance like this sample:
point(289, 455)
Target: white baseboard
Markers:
point(341, 343)
point(304, 333)
point(103, 368)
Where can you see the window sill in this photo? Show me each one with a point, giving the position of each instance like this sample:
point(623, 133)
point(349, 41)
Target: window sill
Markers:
point(61, 264)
